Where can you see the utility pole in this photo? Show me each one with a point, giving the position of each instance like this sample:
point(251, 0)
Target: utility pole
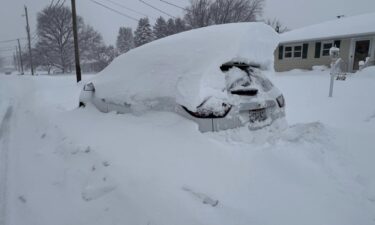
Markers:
point(28, 38)
point(20, 55)
point(15, 61)
point(75, 35)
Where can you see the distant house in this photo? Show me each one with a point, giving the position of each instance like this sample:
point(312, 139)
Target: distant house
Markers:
point(309, 46)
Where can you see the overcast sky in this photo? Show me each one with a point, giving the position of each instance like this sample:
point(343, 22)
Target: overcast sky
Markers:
point(293, 13)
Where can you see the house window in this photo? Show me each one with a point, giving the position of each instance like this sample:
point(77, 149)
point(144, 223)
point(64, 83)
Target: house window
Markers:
point(293, 51)
point(288, 52)
point(326, 47)
point(297, 51)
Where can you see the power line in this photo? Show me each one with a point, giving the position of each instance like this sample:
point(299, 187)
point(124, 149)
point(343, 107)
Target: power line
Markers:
point(172, 4)
point(11, 40)
point(7, 47)
point(6, 50)
point(148, 4)
point(114, 10)
point(125, 7)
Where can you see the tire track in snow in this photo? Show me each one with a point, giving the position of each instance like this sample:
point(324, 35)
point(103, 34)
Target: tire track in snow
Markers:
point(4, 142)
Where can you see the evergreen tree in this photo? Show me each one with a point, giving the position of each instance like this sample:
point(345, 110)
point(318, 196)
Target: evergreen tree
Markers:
point(160, 28)
point(125, 40)
point(143, 34)
point(180, 25)
point(171, 27)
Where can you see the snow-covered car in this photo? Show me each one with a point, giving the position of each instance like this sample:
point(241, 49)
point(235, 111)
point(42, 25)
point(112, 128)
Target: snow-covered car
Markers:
point(213, 76)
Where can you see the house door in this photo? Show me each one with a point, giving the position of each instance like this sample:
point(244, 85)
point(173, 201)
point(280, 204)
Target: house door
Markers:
point(361, 52)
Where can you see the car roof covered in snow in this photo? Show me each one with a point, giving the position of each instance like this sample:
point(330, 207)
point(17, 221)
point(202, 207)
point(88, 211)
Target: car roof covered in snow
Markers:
point(185, 68)
point(343, 27)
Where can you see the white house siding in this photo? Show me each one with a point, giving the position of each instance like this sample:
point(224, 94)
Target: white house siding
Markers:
point(347, 46)
point(347, 29)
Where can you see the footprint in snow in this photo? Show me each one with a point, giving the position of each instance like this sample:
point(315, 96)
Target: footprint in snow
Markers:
point(370, 118)
point(92, 192)
point(22, 199)
point(98, 182)
point(204, 198)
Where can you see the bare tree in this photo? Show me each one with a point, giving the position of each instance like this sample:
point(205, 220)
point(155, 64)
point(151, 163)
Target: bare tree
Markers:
point(198, 13)
point(276, 25)
point(41, 58)
point(203, 13)
point(232, 11)
point(54, 28)
point(89, 41)
point(103, 57)
point(55, 48)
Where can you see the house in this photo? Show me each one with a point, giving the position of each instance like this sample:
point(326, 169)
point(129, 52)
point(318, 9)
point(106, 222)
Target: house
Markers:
point(309, 46)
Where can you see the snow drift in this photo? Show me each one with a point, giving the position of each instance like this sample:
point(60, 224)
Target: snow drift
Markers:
point(185, 68)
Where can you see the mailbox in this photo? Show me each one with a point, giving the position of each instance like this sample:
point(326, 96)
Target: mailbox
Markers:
point(334, 52)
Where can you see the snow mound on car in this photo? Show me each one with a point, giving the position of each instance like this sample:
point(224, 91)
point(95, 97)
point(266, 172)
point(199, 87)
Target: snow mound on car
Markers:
point(185, 68)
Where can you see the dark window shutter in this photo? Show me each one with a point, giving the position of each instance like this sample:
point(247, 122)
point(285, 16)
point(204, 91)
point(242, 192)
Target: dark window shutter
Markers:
point(318, 46)
point(305, 49)
point(281, 51)
point(337, 43)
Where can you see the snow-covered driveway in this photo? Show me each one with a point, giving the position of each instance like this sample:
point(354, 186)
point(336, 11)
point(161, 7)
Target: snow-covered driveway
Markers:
point(73, 166)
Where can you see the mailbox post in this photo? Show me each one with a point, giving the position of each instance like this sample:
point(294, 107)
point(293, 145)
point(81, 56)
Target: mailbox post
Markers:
point(334, 54)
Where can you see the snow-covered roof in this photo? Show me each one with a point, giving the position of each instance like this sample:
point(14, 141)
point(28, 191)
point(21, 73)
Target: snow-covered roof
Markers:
point(343, 27)
point(185, 67)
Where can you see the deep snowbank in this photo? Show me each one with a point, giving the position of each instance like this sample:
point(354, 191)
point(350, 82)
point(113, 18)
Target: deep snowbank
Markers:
point(158, 168)
point(185, 68)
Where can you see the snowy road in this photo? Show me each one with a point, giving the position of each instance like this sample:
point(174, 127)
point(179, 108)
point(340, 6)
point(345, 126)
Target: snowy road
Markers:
point(4, 148)
point(69, 166)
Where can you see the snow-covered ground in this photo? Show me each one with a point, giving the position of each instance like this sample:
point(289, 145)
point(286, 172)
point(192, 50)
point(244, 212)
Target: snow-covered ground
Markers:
point(66, 166)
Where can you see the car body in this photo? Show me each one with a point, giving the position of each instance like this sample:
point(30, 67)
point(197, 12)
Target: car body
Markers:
point(218, 88)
